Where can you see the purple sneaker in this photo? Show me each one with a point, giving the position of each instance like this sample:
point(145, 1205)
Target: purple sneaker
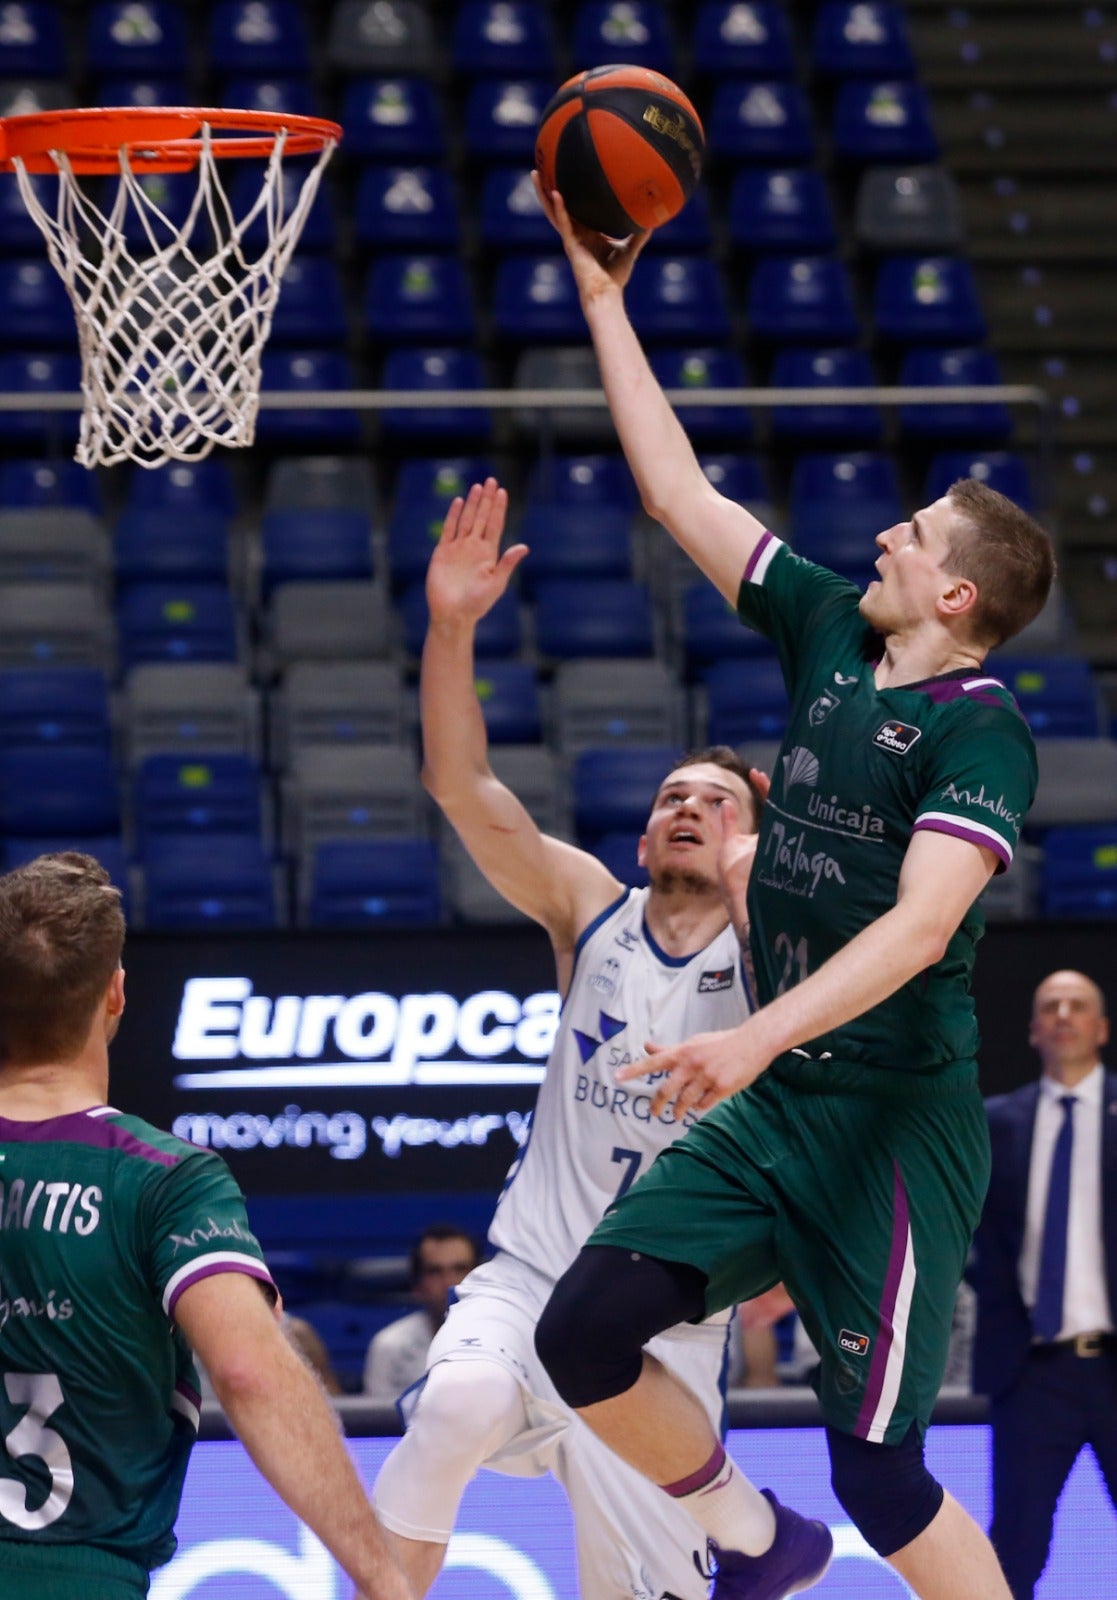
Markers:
point(797, 1560)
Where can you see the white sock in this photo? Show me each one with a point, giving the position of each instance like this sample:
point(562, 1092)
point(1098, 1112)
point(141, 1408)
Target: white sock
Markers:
point(722, 1501)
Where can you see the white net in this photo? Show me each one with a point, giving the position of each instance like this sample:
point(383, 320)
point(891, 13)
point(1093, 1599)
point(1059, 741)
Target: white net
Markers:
point(172, 316)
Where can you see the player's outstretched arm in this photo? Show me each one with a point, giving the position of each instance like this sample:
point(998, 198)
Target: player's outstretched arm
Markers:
point(940, 879)
point(718, 535)
point(284, 1421)
point(559, 886)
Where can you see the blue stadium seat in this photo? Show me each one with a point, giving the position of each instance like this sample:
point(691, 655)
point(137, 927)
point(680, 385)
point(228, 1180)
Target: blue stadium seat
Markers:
point(180, 795)
point(689, 230)
point(108, 849)
point(797, 299)
point(695, 370)
point(35, 309)
point(329, 543)
point(54, 706)
point(743, 41)
point(28, 484)
point(34, 45)
point(184, 621)
point(184, 486)
point(19, 235)
point(1079, 874)
point(258, 36)
point(878, 123)
point(291, 95)
point(148, 545)
point(535, 301)
point(617, 851)
point(319, 230)
point(509, 696)
point(501, 116)
point(502, 38)
point(311, 306)
point(823, 369)
point(40, 372)
point(587, 542)
point(413, 531)
point(738, 477)
point(1001, 470)
point(613, 787)
point(393, 120)
point(133, 39)
point(679, 298)
point(1058, 694)
point(511, 216)
point(767, 124)
point(438, 478)
point(927, 300)
point(979, 421)
point(746, 701)
point(605, 617)
point(854, 493)
point(786, 208)
point(499, 633)
point(407, 208)
point(855, 39)
point(424, 370)
point(632, 31)
point(418, 299)
point(208, 881)
point(60, 790)
point(579, 480)
point(289, 371)
point(370, 883)
point(712, 631)
point(162, 89)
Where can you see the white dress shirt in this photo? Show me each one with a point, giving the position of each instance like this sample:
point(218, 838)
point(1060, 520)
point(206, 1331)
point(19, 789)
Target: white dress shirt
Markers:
point(397, 1357)
point(1086, 1304)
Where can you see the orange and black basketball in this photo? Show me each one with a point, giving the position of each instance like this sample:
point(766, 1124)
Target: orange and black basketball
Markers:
point(623, 146)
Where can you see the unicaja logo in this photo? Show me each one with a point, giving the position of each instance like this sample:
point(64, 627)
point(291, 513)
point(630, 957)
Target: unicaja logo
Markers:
point(800, 766)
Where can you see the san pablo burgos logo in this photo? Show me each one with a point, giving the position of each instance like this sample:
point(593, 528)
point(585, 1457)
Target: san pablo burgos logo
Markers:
point(978, 797)
point(897, 737)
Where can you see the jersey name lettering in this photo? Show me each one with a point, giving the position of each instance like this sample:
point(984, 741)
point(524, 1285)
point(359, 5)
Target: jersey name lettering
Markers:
point(53, 1207)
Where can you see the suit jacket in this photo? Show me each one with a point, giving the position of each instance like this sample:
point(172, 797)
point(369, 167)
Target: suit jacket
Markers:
point(1004, 1327)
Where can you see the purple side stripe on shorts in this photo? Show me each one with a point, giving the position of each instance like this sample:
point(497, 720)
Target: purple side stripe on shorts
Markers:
point(890, 1340)
point(697, 1480)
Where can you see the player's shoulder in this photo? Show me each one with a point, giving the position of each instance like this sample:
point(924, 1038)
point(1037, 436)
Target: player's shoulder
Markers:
point(151, 1147)
point(977, 700)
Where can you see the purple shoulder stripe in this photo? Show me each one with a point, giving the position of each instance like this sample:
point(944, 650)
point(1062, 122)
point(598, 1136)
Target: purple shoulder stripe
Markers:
point(80, 1127)
point(754, 559)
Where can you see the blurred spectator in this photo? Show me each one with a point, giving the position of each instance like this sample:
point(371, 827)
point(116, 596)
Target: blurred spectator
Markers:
point(311, 1346)
point(397, 1357)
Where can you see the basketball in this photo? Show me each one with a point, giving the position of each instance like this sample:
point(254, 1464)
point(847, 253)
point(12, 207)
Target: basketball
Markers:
point(623, 146)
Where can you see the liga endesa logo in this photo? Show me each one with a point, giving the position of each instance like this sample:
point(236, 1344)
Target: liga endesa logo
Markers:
point(374, 1038)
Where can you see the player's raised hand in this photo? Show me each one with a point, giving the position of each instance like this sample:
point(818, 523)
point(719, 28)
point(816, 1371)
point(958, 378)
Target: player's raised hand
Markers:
point(701, 1071)
point(598, 263)
point(467, 573)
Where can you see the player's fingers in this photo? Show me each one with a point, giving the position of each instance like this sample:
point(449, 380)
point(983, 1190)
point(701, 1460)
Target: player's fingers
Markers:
point(469, 511)
point(511, 559)
point(729, 815)
point(452, 519)
point(761, 782)
point(492, 503)
point(544, 199)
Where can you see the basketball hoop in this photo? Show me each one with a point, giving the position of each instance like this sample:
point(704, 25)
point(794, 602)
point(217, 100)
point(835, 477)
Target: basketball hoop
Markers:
point(171, 328)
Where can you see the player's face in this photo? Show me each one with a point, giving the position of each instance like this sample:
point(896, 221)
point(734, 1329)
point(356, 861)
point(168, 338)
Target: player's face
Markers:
point(1069, 1025)
point(913, 570)
point(684, 830)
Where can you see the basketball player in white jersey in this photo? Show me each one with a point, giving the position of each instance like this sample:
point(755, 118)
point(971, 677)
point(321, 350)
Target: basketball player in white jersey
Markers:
point(633, 965)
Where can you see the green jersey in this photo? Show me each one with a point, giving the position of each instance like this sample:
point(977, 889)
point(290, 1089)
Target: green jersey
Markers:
point(104, 1222)
point(860, 770)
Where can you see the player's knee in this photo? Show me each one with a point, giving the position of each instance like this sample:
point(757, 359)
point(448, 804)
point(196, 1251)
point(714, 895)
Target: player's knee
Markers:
point(602, 1312)
point(886, 1490)
point(467, 1409)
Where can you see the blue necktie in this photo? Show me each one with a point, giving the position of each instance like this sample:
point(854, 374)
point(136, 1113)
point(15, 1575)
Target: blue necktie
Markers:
point(1047, 1317)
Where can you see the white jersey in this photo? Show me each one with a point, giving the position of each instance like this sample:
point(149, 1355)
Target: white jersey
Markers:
point(591, 1136)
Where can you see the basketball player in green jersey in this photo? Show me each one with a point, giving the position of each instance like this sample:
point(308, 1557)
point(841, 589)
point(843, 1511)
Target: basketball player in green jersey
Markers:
point(123, 1249)
point(854, 1167)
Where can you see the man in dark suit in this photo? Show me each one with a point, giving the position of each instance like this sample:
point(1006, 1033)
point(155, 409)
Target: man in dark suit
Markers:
point(1046, 1276)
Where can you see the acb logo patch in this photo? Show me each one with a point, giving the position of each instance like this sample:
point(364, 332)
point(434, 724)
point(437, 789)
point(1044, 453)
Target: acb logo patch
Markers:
point(854, 1344)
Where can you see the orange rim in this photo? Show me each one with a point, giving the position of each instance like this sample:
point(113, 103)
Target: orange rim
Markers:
point(156, 138)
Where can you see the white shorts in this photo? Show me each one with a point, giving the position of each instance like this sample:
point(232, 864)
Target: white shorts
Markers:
point(634, 1542)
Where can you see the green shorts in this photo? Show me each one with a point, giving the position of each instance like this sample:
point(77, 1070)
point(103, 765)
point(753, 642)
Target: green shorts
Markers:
point(67, 1572)
point(862, 1202)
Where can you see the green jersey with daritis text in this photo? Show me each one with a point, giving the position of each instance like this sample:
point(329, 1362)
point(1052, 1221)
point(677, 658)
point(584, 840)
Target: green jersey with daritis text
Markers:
point(860, 770)
point(104, 1222)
